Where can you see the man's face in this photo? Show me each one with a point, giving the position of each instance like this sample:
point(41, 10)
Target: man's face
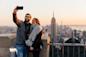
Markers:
point(27, 18)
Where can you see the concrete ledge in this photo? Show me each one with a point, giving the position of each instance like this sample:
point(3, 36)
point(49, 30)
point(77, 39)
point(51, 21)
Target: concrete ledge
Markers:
point(6, 43)
point(4, 52)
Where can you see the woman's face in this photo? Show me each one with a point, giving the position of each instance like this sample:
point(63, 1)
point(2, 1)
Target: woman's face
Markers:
point(33, 21)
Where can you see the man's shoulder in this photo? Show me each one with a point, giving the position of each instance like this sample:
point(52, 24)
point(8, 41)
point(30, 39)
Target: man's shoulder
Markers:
point(27, 23)
point(30, 24)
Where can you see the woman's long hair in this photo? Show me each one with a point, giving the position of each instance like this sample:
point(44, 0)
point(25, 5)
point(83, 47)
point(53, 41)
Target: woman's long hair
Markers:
point(37, 21)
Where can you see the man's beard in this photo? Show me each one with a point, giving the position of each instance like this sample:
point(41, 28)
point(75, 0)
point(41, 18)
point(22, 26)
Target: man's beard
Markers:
point(26, 21)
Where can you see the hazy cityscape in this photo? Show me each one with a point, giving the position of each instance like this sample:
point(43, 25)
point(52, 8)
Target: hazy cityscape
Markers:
point(59, 34)
point(62, 23)
point(64, 29)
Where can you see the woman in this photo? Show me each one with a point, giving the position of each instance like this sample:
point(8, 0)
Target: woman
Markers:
point(34, 40)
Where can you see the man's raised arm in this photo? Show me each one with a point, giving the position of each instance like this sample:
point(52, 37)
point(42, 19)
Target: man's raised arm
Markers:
point(15, 18)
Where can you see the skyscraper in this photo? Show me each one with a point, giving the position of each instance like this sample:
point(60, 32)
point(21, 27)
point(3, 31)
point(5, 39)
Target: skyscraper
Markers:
point(53, 29)
point(54, 51)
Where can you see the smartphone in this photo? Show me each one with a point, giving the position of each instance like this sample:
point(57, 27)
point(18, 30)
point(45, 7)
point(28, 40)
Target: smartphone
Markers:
point(19, 8)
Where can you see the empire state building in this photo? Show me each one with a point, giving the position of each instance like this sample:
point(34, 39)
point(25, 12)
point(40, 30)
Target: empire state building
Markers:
point(53, 29)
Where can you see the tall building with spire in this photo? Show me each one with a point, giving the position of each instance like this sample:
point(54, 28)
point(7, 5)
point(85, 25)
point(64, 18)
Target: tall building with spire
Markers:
point(53, 29)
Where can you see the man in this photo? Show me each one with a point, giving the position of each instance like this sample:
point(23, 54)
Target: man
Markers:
point(23, 32)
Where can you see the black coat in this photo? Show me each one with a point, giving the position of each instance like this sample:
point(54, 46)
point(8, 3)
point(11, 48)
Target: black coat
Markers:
point(37, 41)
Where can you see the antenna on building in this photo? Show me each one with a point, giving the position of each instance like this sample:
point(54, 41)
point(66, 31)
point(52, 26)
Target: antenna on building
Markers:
point(53, 13)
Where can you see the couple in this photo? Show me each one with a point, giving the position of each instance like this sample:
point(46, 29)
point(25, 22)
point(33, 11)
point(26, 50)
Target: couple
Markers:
point(28, 35)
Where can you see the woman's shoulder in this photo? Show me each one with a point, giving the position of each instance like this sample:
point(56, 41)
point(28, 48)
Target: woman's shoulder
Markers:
point(39, 26)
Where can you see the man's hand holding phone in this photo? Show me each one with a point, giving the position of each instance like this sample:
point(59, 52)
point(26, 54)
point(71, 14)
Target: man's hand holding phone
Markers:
point(17, 8)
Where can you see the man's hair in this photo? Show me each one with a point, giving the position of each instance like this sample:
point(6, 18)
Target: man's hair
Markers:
point(28, 14)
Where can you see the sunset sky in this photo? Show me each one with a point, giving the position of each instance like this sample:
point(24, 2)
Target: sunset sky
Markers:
point(70, 12)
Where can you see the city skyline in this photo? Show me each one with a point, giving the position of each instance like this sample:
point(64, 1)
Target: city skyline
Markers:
point(67, 12)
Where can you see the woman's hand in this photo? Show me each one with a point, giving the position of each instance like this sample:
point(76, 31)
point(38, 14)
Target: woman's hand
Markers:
point(31, 48)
